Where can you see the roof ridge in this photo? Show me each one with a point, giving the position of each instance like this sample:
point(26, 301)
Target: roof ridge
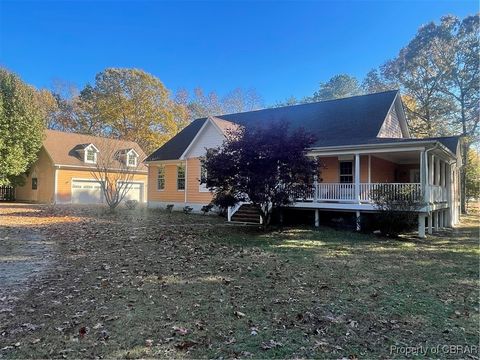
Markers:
point(91, 136)
point(303, 104)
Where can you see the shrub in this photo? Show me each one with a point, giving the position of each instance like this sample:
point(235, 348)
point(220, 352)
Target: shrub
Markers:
point(207, 208)
point(187, 210)
point(398, 209)
point(223, 201)
point(169, 208)
point(131, 204)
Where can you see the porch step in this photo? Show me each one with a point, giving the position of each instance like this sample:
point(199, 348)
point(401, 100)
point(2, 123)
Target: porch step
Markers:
point(246, 214)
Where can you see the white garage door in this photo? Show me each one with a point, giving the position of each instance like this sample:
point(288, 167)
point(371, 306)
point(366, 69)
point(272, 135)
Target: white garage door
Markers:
point(86, 192)
point(135, 192)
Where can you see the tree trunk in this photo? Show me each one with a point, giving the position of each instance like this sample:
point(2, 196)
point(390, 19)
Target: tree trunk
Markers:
point(463, 177)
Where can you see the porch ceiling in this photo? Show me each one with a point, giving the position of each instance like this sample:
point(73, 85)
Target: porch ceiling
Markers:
point(406, 157)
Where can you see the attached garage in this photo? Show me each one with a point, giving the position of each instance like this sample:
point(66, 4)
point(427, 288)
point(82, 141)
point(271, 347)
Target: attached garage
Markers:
point(86, 192)
point(135, 192)
point(90, 192)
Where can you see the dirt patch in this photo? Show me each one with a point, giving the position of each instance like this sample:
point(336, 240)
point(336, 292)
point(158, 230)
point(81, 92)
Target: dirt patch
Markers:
point(24, 254)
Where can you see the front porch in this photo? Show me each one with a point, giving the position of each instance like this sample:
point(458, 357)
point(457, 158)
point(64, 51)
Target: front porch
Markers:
point(352, 179)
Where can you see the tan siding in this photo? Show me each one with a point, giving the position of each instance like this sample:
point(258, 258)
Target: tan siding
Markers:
point(330, 170)
point(381, 170)
point(194, 194)
point(170, 193)
point(44, 172)
point(65, 177)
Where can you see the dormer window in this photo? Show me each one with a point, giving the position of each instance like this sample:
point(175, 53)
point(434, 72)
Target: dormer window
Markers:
point(90, 153)
point(91, 156)
point(132, 159)
point(127, 157)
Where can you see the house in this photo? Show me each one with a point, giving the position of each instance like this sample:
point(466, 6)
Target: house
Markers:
point(67, 164)
point(363, 141)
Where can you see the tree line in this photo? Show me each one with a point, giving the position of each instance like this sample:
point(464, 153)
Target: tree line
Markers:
point(437, 73)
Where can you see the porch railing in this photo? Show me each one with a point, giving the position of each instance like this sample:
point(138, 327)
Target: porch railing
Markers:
point(346, 192)
point(437, 194)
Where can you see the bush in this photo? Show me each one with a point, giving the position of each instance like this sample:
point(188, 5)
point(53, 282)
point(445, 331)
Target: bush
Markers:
point(207, 208)
point(398, 210)
point(131, 204)
point(187, 210)
point(223, 201)
point(169, 208)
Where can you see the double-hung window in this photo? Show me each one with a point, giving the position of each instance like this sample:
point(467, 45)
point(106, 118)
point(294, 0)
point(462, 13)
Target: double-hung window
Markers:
point(161, 178)
point(91, 156)
point(132, 160)
point(180, 177)
point(346, 171)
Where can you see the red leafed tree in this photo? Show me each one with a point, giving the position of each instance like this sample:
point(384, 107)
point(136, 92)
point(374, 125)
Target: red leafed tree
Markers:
point(263, 165)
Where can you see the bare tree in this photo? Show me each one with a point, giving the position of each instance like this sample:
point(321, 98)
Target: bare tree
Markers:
point(115, 169)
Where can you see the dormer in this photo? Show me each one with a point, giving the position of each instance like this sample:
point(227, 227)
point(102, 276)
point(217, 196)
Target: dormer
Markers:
point(89, 153)
point(129, 157)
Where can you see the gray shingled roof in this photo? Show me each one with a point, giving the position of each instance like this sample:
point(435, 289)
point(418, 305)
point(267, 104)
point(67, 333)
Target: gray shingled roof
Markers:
point(350, 121)
point(175, 147)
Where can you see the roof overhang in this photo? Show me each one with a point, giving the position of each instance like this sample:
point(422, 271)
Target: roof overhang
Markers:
point(384, 147)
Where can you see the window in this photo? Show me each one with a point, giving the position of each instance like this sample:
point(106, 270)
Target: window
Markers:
point(91, 156)
point(203, 177)
point(203, 173)
point(161, 178)
point(180, 177)
point(132, 160)
point(34, 183)
point(346, 171)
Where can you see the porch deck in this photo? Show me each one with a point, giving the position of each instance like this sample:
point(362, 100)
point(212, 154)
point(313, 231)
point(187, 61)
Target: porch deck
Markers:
point(360, 196)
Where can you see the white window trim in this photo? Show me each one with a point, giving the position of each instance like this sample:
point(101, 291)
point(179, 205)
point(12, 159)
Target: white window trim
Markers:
point(135, 157)
point(94, 161)
point(184, 178)
point(164, 178)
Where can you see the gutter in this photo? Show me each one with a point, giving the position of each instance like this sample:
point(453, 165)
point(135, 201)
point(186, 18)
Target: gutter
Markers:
point(385, 145)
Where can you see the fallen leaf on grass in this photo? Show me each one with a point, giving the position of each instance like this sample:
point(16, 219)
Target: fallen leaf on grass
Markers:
point(239, 314)
point(180, 330)
point(185, 345)
point(271, 344)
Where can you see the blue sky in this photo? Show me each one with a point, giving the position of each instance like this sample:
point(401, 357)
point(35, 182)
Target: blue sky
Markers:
point(279, 48)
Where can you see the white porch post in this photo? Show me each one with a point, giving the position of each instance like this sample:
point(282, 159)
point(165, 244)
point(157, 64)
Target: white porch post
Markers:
point(357, 217)
point(435, 221)
point(430, 225)
point(437, 171)
point(430, 170)
point(448, 181)
point(423, 176)
point(443, 167)
point(357, 177)
point(317, 218)
point(421, 225)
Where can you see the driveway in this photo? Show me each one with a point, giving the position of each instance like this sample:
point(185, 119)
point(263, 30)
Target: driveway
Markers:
point(24, 251)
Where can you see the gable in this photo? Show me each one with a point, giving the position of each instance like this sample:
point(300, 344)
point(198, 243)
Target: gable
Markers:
point(391, 126)
point(333, 122)
point(209, 137)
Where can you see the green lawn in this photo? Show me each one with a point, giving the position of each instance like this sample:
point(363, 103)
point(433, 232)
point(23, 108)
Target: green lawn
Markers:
point(149, 284)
